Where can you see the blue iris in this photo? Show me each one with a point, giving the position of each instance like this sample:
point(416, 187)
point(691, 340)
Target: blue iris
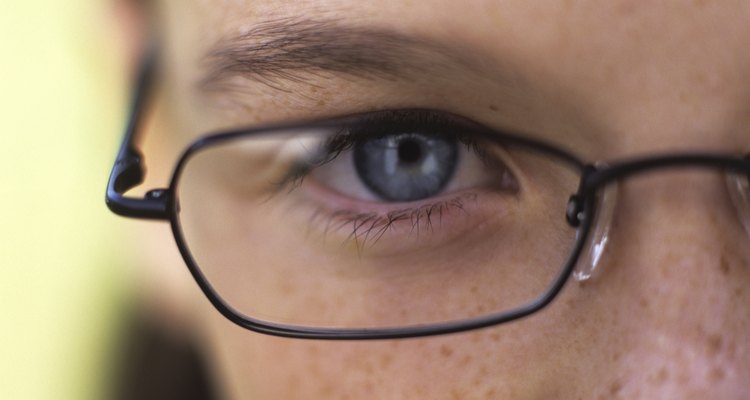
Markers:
point(406, 167)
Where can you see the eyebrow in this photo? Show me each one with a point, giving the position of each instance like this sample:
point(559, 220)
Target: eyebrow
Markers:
point(296, 49)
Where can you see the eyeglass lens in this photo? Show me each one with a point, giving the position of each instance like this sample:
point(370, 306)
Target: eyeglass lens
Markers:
point(325, 228)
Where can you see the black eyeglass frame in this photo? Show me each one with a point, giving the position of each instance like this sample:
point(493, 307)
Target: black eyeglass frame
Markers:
point(160, 204)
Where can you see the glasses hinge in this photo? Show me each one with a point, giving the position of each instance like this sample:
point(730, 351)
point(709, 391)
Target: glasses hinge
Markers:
point(153, 205)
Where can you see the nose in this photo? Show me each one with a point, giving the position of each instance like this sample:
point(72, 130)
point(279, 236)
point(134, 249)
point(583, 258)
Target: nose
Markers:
point(677, 274)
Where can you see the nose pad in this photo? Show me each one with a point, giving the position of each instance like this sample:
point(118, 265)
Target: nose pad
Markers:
point(739, 191)
point(593, 251)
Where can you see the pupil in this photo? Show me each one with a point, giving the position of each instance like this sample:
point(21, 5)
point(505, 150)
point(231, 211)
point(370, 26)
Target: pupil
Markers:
point(406, 166)
point(409, 151)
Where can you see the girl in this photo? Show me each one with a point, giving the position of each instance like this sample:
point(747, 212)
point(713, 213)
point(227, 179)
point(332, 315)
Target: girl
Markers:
point(480, 200)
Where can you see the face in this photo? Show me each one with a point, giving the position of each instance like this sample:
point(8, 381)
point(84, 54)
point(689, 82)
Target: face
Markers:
point(668, 314)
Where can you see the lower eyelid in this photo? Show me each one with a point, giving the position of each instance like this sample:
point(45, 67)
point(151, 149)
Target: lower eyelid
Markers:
point(396, 230)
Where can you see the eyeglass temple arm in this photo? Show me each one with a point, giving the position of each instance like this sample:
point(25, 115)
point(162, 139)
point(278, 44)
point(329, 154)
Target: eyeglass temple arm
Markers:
point(129, 169)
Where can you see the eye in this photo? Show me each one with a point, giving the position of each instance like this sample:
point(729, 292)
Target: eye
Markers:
point(409, 164)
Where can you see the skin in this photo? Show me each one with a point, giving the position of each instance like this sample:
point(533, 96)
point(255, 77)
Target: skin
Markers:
point(667, 316)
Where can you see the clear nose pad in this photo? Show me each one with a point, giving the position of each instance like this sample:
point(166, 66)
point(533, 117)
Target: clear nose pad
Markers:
point(739, 191)
point(593, 251)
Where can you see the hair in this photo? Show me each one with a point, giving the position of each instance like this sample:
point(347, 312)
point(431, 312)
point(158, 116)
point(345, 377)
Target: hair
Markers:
point(154, 365)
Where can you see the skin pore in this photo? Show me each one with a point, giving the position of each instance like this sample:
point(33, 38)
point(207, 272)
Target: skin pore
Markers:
point(668, 316)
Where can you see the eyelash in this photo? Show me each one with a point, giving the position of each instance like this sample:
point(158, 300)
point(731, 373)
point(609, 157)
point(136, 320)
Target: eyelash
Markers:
point(370, 227)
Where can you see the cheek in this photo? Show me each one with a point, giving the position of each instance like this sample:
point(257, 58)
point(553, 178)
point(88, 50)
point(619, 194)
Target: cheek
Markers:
point(529, 359)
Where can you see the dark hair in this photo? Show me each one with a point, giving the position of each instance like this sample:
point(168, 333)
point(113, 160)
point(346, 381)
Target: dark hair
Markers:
point(153, 364)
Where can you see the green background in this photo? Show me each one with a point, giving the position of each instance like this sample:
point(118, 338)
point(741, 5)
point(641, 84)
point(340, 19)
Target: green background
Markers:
point(63, 286)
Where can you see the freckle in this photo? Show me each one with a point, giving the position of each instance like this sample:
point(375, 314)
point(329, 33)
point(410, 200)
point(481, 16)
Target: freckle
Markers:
point(490, 394)
point(446, 351)
point(368, 368)
point(716, 374)
point(570, 303)
point(465, 361)
point(493, 107)
point(313, 350)
point(386, 360)
point(368, 387)
point(615, 388)
point(714, 344)
point(327, 391)
point(662, 376)
point(724, 265)
point(313, 368)
point(495, 337)
point(616, 356)
point(643, 302)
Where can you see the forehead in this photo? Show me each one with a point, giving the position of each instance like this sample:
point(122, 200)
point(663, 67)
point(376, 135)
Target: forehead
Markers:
point(650, 27)
point(615, 61)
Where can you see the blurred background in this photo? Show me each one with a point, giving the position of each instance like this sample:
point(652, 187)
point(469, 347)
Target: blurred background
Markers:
point(64, 280)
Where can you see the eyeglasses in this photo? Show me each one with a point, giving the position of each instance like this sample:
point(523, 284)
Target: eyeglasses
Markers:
point(386, 224)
